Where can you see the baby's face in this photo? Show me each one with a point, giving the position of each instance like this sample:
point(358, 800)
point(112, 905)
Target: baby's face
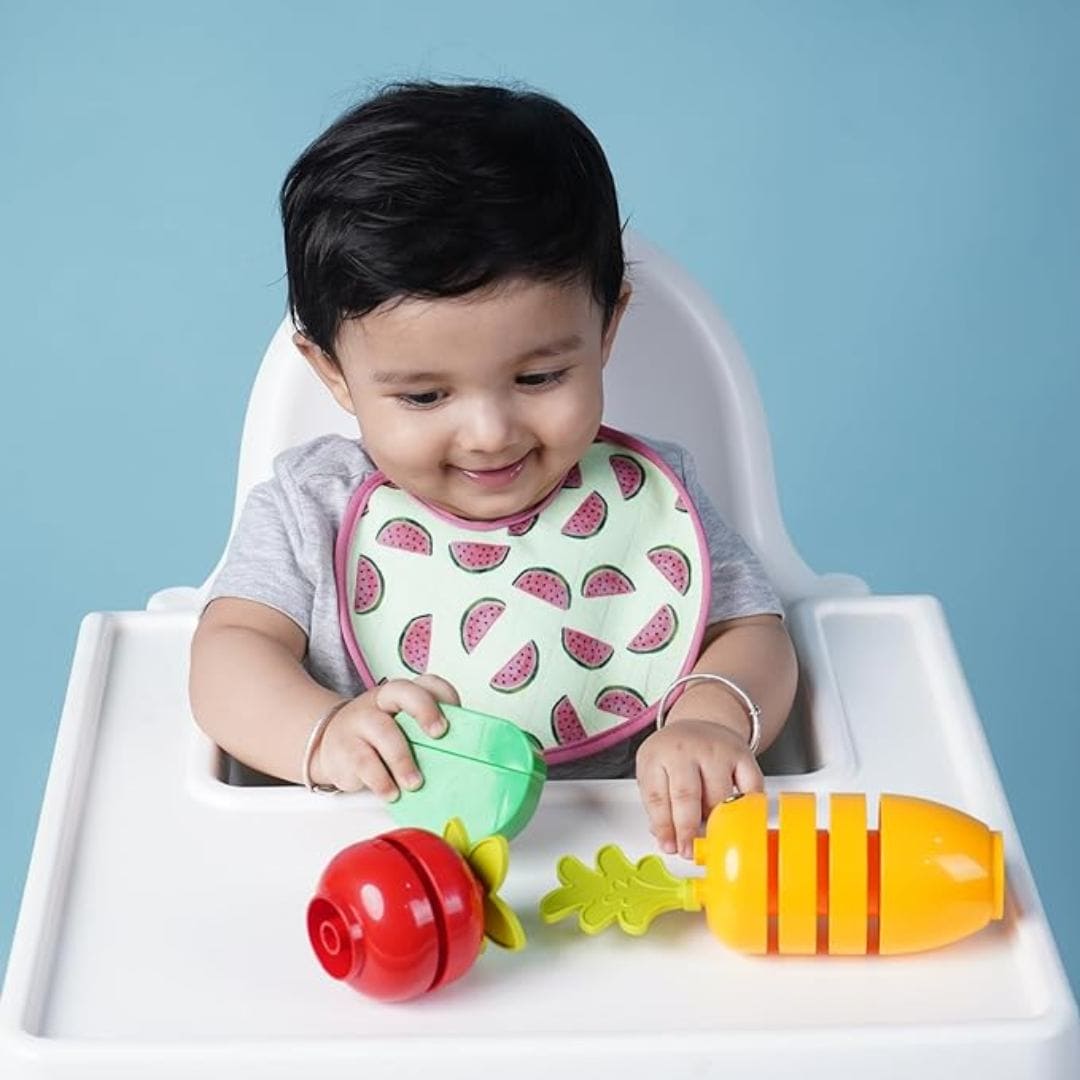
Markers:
point(479, 404)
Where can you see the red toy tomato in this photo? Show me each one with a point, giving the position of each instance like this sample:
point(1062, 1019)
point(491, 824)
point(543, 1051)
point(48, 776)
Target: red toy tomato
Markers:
point(398, 915)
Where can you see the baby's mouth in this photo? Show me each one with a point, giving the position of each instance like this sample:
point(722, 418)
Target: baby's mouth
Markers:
point(497, 478)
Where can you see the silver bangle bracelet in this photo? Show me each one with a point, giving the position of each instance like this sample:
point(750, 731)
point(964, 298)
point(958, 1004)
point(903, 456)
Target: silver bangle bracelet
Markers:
point(313, 741)
point(751, 709)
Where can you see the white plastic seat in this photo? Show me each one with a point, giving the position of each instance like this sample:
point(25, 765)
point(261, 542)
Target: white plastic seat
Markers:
point(161, 933)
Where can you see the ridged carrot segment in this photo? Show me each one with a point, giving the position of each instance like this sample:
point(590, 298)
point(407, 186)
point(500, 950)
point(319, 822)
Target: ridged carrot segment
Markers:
point(796, 886)
point(848, 877)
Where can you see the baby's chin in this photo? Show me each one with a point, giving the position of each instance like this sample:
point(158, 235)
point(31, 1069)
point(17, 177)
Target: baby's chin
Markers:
point(485, 509)
point(493, 506)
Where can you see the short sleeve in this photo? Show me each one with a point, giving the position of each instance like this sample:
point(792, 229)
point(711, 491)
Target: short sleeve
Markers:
point(740, 586)
point(265, 560)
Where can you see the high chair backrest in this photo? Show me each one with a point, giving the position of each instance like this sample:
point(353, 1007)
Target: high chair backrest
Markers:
point(676, 372)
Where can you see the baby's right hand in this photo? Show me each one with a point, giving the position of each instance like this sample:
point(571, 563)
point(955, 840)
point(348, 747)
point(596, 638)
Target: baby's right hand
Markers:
point(364, 747)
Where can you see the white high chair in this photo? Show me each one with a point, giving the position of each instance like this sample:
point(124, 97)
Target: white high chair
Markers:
point(162, 930)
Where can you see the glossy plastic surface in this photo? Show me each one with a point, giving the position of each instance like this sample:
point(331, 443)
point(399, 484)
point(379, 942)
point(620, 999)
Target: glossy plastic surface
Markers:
point(794, 893)
point(849, 875)
point(397, 915)
point(942, 875)
point(735, 890)
point(484, 770)
point(929, 876)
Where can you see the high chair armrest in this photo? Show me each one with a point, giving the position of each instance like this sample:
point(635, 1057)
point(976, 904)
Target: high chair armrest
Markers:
point(178, 598)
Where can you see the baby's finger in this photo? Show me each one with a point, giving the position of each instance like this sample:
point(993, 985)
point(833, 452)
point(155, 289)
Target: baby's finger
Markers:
point(717, 785)
point(748, 776)
point(440, 689)
point(400, 695)
point(393, 748)
point(684, 784)
point(653, 785)
point(370, 772)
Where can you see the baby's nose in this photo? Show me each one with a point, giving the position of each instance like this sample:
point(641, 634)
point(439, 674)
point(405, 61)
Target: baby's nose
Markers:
point(490, 429)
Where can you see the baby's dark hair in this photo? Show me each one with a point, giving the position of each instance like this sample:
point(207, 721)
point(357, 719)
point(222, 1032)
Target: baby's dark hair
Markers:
point(432, 190)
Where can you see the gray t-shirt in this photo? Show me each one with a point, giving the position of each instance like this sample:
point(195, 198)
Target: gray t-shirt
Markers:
point(282, 555)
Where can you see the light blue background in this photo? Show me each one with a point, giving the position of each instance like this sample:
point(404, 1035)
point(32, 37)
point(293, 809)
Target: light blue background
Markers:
point(884, 198)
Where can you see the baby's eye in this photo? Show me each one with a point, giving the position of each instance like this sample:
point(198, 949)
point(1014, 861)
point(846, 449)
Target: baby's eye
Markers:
point(537, 380)
point(542, 378)
point(420, 401)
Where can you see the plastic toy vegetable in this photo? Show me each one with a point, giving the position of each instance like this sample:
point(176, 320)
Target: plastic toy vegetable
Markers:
point(407, 912)
point(484, 770)
point(929, 875)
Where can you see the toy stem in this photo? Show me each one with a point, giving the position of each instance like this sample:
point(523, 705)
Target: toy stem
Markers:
point(632, 894)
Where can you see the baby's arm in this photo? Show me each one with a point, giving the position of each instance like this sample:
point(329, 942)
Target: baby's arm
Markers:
point(756, 654)
point(252, 696)
point(702, 753)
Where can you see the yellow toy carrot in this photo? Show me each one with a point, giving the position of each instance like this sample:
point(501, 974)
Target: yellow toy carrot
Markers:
point(929, 875)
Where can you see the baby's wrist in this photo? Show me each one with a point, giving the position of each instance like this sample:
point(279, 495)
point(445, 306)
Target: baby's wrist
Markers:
point(314, 772)
point(712, 703)
point(320, 775)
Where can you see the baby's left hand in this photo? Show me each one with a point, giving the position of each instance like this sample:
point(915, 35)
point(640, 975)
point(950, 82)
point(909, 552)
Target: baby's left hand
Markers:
point(684, 770)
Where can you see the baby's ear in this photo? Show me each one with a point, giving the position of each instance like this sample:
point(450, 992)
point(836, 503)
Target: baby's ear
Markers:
point(616, 317)
point(328, 371)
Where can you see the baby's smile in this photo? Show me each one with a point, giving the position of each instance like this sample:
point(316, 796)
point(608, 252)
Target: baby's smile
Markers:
point(496, 479)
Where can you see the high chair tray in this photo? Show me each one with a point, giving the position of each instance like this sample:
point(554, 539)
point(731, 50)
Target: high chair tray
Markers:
point(162, 928)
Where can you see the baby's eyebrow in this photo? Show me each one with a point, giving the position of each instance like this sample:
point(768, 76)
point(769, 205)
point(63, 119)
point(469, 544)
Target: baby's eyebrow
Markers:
point(552, 348)
point(404, 376)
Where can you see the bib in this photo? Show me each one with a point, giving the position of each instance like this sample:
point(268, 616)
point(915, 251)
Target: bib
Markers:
point(570, 618)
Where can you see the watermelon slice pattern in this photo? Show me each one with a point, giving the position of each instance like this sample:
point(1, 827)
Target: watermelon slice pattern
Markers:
point(478, 558)
point(520, 528)
point(588, 519)
point(571, 712)
point(622, 701)
point(566, 726)
point(628, 473)
point(657, 633)
point(478, 620)
point(673, 564)
point(368, 592)
point(586, 650)
point(605, 581)
point(545, 584)
point(518, 671)
point(414, 645)
point(405, 535)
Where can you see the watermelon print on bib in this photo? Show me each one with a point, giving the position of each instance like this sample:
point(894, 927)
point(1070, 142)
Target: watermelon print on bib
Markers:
point(570, 618)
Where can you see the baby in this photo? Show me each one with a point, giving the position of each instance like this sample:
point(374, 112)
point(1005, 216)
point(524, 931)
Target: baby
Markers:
point(456, 277)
